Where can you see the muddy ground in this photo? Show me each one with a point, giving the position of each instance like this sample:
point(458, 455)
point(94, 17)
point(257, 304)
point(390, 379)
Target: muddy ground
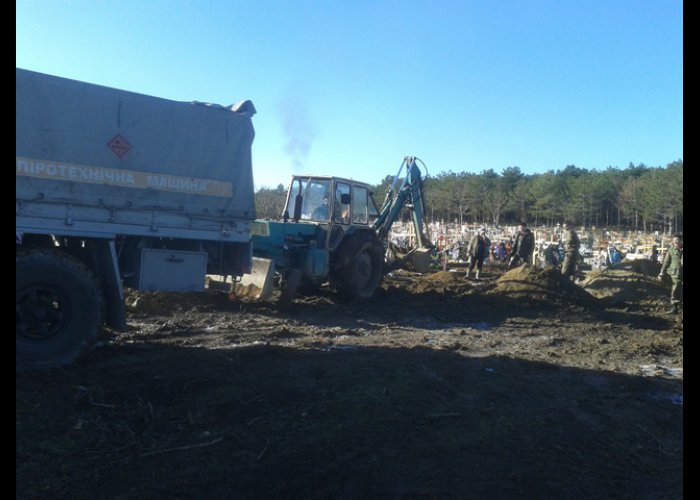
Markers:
point(519, 385)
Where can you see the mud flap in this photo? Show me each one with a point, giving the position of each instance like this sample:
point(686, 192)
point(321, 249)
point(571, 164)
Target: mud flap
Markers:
point(259, 283)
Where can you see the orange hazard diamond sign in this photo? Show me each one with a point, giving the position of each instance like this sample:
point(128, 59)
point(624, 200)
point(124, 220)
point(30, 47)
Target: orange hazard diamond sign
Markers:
point(119, 145)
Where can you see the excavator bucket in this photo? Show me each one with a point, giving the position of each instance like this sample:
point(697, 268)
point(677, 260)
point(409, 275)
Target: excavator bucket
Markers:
point(257, 284)
point(420, 259)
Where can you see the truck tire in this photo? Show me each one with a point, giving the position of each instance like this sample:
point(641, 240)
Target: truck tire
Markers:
point(358, 268)
point(58, 311)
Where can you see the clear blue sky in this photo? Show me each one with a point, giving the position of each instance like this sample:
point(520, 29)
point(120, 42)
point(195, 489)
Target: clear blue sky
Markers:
point(350, 87)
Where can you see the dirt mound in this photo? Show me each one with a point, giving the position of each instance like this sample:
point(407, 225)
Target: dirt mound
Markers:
point(628, 282)
point(641, 266)
point(442, 282)
point(541, 285)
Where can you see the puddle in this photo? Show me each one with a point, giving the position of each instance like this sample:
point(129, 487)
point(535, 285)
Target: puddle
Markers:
point(482, 325)
point(657, 370)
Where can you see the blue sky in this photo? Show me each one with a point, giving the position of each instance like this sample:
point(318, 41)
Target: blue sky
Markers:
point(349, 88)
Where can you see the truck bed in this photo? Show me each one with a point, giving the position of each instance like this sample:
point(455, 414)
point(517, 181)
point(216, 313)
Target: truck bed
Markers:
point(97, 161)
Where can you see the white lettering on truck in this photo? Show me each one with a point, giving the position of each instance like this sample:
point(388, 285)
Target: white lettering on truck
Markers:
point(35, 168)
point(27, 167)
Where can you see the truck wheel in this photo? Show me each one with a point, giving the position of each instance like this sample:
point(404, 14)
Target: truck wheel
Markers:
point(359, 266)
point(58, 311)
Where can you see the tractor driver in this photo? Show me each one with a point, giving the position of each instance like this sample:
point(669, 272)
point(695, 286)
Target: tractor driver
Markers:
point(321, 211)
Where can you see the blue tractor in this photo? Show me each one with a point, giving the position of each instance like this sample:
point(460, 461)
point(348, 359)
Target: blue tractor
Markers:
point(332, 231)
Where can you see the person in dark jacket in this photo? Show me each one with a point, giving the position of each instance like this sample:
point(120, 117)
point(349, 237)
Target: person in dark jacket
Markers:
point(321, 211)
point(673, 266)
point(523, 247)
point(478, 247)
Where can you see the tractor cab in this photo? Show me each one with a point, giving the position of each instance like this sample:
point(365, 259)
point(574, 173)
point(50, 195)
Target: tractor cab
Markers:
point(329, 200)
point(338, 206)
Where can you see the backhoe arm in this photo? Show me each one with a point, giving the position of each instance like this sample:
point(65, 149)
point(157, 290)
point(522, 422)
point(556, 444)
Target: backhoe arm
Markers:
point(410, 195)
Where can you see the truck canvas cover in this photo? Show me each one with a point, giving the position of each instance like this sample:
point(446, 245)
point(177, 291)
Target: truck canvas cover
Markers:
point(101, 156)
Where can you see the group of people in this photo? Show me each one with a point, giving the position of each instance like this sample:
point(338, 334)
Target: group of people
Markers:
point(524, 245)
point(479, 245)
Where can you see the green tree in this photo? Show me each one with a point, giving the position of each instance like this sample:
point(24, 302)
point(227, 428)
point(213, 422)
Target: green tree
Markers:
point(550, 195)
point(662, 198)
point(494, 195)
point(630, 200)
point(269, 203)
point(608, 185)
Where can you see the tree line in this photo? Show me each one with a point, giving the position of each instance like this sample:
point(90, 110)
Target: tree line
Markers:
point(638, 197)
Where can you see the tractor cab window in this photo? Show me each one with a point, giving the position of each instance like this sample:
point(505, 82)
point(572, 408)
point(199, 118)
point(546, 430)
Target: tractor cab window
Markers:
point(360, 206)
point(342, 203)
point(372, 210)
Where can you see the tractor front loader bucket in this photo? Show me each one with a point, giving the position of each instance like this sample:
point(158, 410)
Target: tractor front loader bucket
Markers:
point(258, 284)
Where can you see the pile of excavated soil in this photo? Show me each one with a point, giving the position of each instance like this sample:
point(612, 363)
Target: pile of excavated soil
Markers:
point(641, 266)
point(441, 282)
point(541, 286)
point(524, 285)
point(628, 282)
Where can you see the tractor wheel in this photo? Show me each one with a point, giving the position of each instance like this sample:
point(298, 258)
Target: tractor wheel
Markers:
point(58, 311)
point(358, 266)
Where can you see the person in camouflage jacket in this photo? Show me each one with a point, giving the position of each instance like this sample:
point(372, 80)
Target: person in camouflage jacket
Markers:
point(523, 247)
point(570, 243)
point(478, 249)
point(673, 266)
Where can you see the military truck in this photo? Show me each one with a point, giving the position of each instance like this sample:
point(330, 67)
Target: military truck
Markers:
point(113, 189)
